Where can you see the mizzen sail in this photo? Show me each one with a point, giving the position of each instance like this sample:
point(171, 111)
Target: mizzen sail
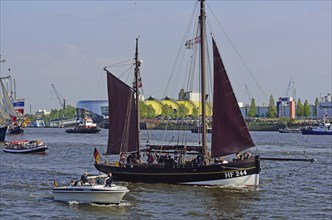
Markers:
point(229, 130)
point(122, 135)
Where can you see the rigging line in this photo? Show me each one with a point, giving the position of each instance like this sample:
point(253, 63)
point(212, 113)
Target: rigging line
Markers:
point(193, 59)
point(179, 52)
point(99, 84)
point(299, 168)
point(209, 72)
point(237, 52)
point(127, 71)
point(121, 63)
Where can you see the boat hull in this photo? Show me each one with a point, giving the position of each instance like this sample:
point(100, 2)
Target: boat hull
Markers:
point(3, 131)
point(40, 149)
point(313, 132)
point(289, 131)
point(90, 194)
point(16, 130)
point(238, 173)
point(83, 130)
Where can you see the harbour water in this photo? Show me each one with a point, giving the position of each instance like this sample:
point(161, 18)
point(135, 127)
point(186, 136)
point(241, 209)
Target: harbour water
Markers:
point(288, 190)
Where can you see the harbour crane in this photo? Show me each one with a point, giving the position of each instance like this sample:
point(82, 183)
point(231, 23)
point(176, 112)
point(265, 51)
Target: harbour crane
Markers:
point(248, 93)
point(291, 87)
point(60, 98)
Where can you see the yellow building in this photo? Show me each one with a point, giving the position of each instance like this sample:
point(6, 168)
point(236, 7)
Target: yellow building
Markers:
point(156, 105)
point(190, 105)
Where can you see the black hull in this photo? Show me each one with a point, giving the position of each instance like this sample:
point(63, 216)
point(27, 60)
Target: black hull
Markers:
point(16, 130)
point(38, 150)
point(312, 132)
point(3, 131)
point(154, 173)
point(83, 130)
point(285, 131)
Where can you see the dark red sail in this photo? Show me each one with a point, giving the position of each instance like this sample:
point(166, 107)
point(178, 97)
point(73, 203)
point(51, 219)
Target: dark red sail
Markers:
point(122, 134)
point(229, 130)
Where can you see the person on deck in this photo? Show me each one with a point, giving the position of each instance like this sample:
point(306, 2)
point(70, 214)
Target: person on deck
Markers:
point(84, 178)
point(108, 181)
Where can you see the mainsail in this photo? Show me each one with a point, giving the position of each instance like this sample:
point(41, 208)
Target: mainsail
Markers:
point(229, 130)
point(122, 136)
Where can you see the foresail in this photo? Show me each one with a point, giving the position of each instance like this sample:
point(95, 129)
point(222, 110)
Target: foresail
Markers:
point(122, 135)
point(229, 130)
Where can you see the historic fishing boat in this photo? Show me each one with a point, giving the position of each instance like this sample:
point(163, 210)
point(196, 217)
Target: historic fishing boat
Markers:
point(229, 135)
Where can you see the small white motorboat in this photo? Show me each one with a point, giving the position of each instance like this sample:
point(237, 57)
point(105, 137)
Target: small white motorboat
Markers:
point(92, 192)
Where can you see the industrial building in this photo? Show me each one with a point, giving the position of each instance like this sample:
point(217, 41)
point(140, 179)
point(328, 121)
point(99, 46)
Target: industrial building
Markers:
point(286, 107)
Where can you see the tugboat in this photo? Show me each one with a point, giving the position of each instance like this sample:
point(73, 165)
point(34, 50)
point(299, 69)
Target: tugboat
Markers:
point(88, 126)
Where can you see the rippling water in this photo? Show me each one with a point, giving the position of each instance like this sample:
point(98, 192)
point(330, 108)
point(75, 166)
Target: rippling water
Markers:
point(288, 190)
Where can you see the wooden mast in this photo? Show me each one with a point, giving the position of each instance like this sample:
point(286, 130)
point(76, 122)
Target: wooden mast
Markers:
point(136, 90)
point(202, 19)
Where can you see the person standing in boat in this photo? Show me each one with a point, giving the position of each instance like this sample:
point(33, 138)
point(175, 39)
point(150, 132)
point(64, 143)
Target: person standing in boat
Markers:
point(84, 178)
point(108, 181)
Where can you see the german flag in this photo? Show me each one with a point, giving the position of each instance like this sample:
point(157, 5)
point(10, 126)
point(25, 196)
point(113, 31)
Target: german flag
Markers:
point(96, 155)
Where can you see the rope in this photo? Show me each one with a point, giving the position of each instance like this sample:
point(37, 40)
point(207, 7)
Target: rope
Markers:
point(238, 54)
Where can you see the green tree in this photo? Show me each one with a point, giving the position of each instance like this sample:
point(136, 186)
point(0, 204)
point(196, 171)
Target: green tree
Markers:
point(143, 110)
point(54, 114)
point(299, 109)
point(195, 113)
point(316, 106)
point(272, 111)
point(306, 109)
point(167, 111)
point(252, 110)
point(182, 111)
point(146, 111)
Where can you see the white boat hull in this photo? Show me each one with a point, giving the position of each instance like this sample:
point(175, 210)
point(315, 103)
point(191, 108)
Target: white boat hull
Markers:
point(249, 180)
point(90, 194)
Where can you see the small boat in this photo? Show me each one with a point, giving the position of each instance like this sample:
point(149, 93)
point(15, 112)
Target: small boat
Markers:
point(289, 130)
point(88, 127)
point(25, 146)
point(15, 129)
point(324, 128)
point(93, 192)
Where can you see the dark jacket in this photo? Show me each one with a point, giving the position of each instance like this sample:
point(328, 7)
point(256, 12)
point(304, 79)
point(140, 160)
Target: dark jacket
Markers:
point(108, 181)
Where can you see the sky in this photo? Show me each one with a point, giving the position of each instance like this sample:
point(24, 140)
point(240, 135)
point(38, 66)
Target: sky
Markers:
point(67, 43)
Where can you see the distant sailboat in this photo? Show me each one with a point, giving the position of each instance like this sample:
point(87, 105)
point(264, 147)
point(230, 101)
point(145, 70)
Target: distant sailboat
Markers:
point(17, 121)
point(230, 135)
point(7, 110)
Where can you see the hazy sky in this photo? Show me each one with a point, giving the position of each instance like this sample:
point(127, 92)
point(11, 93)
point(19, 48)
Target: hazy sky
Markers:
point(68, 43)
